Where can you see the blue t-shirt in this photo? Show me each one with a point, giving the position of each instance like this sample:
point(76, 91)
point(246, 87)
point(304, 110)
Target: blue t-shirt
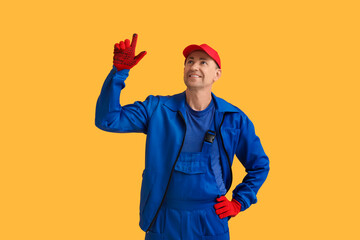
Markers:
point(198, 123)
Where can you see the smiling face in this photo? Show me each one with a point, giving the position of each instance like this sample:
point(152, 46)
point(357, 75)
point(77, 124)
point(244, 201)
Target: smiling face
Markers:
point(200, 71)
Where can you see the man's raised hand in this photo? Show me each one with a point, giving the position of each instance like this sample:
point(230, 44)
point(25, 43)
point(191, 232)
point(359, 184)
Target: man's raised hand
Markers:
point(124, 54)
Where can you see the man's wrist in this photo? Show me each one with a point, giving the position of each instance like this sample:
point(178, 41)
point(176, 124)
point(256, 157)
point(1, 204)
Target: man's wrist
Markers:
point(126, 71)
point(236, 203)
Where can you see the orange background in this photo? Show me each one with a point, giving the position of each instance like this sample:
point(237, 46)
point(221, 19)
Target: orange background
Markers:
point(291, 66)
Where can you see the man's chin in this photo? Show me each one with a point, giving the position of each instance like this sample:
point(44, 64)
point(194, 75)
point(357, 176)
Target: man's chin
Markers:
point(192, 86)
point(192, 82)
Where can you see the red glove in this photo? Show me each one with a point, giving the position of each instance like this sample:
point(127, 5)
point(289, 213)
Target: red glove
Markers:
point(124, 54)
point(226, 208)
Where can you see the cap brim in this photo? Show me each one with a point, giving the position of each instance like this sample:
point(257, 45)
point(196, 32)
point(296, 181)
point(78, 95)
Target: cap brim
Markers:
point(189, 49)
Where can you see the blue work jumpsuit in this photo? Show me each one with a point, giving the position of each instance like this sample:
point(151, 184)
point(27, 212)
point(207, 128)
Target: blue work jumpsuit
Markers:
point(161, 118)
point(188, 211)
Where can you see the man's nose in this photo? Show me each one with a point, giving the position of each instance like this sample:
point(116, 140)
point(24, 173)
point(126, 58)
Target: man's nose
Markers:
point(195, 66)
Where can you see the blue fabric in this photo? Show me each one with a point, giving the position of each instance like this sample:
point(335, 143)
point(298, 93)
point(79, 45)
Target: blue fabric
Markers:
point(162, 119)
point(216, 167)
point(198, 122)
point(188, 210)
point(177, 224)
point(193, 178)
point(188, 224)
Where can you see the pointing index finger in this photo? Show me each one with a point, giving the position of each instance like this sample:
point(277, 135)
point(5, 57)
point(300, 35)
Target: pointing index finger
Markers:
point(134, 40)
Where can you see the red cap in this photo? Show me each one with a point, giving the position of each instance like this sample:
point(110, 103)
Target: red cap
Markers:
point(204, 47)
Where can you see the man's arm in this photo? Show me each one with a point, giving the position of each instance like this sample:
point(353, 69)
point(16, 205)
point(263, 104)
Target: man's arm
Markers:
point(110, 115)
point(252, 156)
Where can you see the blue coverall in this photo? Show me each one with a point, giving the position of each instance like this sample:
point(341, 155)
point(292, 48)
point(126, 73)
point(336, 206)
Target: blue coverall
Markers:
point(188, 211)
point(161, 118)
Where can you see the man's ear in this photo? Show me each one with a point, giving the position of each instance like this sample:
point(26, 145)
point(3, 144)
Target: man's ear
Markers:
point(217, 74)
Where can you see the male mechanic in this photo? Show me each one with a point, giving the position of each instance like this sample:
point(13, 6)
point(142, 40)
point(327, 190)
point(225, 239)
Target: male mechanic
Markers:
point(192, 138)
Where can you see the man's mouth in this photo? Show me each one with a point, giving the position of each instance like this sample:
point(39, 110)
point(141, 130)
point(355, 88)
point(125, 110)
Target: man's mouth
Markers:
point(194, 75)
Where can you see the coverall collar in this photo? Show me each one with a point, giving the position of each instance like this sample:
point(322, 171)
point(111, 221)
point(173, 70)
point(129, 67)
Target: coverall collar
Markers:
point(177, 102)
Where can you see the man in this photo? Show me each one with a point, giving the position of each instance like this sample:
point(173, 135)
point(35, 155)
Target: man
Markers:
point(192, 138)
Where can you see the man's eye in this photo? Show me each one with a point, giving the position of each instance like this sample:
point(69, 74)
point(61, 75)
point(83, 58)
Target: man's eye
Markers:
point(189, 61)
point(203, 62)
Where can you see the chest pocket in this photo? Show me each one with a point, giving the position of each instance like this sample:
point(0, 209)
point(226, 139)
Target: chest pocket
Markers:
point(191, 163)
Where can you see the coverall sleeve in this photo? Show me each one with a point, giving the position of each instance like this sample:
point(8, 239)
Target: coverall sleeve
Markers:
point(252, 156)
point(111, 116)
